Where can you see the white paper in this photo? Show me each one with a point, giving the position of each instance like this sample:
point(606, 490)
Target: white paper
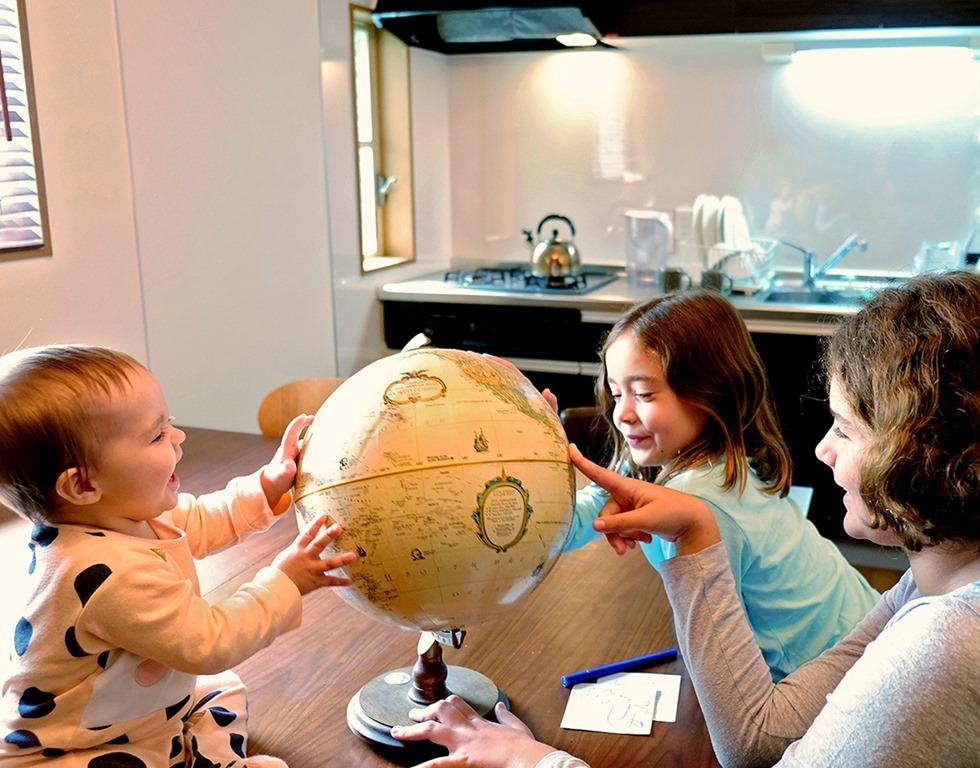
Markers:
point(628, 702)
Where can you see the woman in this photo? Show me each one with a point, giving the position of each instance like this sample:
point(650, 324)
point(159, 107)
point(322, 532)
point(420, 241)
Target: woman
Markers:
point(903, 688)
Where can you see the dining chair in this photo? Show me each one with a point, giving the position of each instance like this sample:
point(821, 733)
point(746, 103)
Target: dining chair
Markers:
point(288, 401)
point(584, 428)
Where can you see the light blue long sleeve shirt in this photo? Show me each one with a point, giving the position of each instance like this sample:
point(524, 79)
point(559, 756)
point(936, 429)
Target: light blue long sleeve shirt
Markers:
point(800, 594)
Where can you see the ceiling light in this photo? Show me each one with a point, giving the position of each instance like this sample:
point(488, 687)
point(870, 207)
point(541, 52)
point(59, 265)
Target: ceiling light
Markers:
point(576, 40)
point(785, 52)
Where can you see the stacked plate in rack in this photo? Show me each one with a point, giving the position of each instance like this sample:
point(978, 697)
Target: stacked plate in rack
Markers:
point(720, 221)
point(721, 233)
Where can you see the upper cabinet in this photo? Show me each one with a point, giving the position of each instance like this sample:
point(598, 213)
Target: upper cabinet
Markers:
point(690, 17)
point(523, 25)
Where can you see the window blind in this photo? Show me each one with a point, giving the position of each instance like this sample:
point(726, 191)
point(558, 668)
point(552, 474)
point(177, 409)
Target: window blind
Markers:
point(21, 222)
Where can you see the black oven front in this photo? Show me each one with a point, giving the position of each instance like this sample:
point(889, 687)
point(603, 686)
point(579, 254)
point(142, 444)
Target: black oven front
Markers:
point(554, 347)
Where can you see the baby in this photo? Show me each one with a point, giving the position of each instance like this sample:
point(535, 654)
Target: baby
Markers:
point(117, 660)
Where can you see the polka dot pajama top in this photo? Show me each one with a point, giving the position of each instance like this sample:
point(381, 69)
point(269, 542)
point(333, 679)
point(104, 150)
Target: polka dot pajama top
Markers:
point(115, 630)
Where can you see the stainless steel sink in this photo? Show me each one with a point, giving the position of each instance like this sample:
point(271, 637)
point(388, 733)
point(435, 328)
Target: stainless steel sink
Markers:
point(816, 296)
point(846, 289)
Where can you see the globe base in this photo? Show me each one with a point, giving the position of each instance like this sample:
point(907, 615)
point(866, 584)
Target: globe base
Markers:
point(385, 702)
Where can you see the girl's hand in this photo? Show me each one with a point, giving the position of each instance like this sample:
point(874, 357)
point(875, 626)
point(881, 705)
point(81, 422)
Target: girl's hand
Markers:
point(472, 741)
point(637, 505)
point(551, 398)
point(303, 561)
point(278, 475)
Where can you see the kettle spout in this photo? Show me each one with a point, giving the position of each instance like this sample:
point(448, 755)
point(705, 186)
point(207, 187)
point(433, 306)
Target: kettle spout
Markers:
point(528, 238)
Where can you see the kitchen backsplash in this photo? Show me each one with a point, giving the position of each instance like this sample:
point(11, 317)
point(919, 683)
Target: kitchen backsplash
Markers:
point(886, 146)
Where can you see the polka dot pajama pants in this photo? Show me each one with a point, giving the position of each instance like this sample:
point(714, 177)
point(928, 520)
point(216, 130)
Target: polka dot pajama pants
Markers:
point(206, 730)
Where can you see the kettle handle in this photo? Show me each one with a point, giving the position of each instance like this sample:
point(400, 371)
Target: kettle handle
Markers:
point(551, 216)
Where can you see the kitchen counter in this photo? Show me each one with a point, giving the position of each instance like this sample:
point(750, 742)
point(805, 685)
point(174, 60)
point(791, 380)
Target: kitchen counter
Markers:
point(605, 304)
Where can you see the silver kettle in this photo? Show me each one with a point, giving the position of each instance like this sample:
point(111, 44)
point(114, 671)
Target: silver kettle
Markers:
point(553, 257)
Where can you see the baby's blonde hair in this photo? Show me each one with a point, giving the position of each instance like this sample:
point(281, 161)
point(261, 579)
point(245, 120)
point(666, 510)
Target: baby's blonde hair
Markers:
point(50, 402)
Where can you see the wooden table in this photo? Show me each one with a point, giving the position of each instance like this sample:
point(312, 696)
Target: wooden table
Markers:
point(593, 608)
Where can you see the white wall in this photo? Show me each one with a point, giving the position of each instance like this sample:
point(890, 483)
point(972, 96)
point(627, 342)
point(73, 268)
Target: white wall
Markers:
point(199, 162)
point(185, 166)
point(224, 116)
point(814, 154)
point(88, 291)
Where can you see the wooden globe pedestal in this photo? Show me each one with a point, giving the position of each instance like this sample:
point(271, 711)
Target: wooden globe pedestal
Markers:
point(386, 700)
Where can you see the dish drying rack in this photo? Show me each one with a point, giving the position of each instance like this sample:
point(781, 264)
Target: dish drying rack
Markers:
point(749, 268)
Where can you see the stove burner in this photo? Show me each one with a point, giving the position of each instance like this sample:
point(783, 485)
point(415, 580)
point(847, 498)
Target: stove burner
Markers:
point(558, 282)
point(518, 279)
point(486, 276)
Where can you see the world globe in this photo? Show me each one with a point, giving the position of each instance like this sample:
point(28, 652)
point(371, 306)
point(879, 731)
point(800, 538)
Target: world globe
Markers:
point(449, 474)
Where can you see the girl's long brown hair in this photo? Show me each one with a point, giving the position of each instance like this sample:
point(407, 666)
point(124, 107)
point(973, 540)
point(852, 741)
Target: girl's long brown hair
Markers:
point(710, 362)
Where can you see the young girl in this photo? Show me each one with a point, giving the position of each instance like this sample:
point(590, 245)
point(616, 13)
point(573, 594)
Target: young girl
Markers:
point(901, 690)
point(117, 659)
point(686, 399)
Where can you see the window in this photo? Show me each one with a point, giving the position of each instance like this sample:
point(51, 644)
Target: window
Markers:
point(23, 213)
point(384, 149)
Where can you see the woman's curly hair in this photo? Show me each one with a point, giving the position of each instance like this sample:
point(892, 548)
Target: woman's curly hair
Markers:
point(908, 365)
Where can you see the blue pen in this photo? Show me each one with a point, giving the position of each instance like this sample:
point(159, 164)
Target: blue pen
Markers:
point(588, 675)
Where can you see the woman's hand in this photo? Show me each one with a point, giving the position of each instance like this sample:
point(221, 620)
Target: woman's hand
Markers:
point(638, 506)
point(278, 475)
point(472, 741)
point(303, 562)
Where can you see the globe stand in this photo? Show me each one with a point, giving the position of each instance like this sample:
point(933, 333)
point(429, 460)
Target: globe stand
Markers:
point(386, 700)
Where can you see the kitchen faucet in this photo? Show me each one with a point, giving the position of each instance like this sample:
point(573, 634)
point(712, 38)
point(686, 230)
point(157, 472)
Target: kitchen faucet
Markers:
point(811, 273)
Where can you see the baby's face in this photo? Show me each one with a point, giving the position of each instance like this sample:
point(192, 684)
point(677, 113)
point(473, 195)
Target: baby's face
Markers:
point(134, 471)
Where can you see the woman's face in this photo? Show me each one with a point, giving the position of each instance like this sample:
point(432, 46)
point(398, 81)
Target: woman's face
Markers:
point(842, 449)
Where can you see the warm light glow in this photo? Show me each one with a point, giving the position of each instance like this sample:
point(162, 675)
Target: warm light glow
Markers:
point(884, 85)
point(576, 40)
point(587, 82)
point(591, 94)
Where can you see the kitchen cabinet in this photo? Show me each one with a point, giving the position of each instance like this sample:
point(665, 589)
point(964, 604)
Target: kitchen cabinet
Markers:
point(650, 18)
point(793, 367)
point(766, 16)
point(699, 17)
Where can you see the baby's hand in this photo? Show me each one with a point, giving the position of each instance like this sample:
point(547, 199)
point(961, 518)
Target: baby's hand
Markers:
point(278, 475)
point(551, 398)
point(302, 561)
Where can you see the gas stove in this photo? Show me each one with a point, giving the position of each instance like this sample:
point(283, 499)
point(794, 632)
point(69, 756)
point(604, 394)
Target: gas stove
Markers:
point(517, 278)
